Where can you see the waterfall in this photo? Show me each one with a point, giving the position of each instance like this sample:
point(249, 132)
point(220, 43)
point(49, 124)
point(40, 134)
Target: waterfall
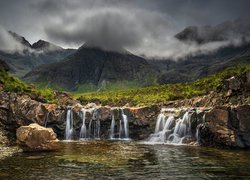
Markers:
point(112, 128)
point(83, 132)
point(46, 119)
point(173, 130)
point(123, 127)
point(69, 124)
point(162, 129)
point(182, 130)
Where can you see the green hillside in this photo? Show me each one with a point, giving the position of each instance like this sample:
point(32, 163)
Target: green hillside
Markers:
point(12, 84)
point(163, 93)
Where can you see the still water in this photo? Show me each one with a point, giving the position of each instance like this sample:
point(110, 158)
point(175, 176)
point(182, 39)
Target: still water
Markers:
point(127, 160)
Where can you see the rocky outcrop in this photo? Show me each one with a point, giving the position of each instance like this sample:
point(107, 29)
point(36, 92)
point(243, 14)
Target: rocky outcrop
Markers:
point(36, 138)
point(233, 91)
point(17, 110)
point(227, 126)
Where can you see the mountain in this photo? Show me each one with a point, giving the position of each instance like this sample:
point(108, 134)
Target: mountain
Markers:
point(20, 39)
point(41, 52)
point(4, 65)
point(45, 46)
point(226, 31)
point(94, 68)
point(197, 66)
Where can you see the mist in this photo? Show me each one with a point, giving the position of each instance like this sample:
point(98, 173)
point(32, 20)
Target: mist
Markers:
point(8, 43)
point(141, 32)
point(143, 27)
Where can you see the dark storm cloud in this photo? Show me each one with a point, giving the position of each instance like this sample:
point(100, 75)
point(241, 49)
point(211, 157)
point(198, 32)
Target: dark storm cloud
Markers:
point(142, 26)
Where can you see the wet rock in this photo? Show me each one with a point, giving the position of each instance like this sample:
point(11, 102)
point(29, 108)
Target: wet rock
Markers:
point(225, 126)
point(243, 115)
point(36, 138)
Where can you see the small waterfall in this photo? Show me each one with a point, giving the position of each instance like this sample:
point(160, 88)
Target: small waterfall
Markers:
point(83, 132)
point(112, 128)
point(69, 124)
point(123, 127)
point(162, 129)
point(173, 130)
point(46, 119)
point(182, 130)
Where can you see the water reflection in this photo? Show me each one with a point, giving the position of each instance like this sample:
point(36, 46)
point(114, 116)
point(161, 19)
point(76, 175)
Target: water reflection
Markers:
point(128, 160)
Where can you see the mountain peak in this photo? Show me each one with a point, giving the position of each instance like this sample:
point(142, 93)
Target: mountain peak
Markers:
point(91, 45)
point(45, 46)
point(20, 39)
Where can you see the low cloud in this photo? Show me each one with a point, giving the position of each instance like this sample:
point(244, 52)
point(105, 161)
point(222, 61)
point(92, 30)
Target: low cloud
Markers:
point(142, 32)
point(143, 27)
point(8, 43)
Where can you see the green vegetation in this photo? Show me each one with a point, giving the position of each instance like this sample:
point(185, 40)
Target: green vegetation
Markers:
point(107, 86)
point(163, 93)
point(12, 84)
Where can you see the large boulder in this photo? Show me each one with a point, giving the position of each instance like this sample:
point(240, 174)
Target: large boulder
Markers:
point(36, 138)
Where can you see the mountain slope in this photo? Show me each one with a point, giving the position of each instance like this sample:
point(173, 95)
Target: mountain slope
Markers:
point(96, 68)
point(41, 52)
point(198, 66)
point(215, 86)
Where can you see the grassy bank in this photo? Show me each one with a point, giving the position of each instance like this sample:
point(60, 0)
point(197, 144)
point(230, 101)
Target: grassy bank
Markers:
point(163, 93)
point(9, 83)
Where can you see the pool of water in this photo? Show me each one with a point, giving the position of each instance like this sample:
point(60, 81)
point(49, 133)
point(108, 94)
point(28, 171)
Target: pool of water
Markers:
point(127, 160)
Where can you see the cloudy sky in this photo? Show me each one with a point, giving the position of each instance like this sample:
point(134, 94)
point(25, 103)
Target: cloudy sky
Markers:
point(142, 26)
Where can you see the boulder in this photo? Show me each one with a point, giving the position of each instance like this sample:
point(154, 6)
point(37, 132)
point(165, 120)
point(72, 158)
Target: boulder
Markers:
point(36, 138)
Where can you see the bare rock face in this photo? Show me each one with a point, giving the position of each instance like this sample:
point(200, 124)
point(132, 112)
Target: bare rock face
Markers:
point(37, 138)
point(227, 126)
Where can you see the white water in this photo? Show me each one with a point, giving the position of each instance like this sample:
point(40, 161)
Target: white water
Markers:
point(172, 131)
point(112, 128)
point(123, 127)
point(83, 132)
point(69, 125)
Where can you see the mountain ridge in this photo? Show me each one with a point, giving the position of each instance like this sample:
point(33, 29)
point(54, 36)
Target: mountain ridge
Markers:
point(94, 66)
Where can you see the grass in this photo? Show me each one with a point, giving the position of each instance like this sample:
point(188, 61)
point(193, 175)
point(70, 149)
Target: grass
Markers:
point(157, 94)
point(12, 84)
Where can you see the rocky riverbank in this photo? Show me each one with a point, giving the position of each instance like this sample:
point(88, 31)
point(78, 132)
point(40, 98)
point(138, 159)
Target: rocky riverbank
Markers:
point(227, 123)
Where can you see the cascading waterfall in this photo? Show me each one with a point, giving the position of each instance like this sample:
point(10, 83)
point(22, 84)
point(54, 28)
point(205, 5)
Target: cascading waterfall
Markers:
point(69, 124)
point(83, 132)
point(182, 130)
point(123, 127)
point(173, 130)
